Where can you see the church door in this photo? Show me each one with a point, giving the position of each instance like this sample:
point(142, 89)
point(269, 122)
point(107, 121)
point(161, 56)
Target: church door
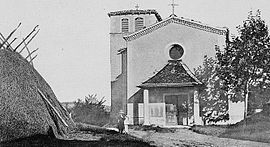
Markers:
point(176, 109)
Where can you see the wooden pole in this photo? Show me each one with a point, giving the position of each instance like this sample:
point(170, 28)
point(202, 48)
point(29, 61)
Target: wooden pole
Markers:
point(31, 61)
point(57, 114)
point(9, 44)
point(25, 44)
point(26, 38)
point(2, 38)
point(6, 40)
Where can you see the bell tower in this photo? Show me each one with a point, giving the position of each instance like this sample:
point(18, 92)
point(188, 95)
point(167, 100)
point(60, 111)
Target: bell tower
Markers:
point(123, 23)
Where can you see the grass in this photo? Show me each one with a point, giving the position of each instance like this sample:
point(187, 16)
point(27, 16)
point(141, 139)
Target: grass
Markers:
point(254, 128)
point(214, 130)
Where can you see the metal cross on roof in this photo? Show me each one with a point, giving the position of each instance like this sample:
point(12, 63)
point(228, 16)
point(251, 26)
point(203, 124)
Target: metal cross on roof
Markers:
point(173, 5)
point(137, 7)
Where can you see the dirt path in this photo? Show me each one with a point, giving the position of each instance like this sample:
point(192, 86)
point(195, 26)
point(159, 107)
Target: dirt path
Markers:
point(187, 138)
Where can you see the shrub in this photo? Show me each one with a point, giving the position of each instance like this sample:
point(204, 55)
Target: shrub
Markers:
point(90, 111)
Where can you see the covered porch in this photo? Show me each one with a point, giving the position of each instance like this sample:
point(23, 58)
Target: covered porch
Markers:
point(170, 97)
point(171, 106)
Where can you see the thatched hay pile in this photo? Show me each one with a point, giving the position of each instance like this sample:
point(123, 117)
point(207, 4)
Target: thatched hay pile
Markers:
point(31, 115)
point(28, 105)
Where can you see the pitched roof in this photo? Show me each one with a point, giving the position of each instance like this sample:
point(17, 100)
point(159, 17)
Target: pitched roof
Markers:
point(136, 12)
point(174, 74)
point(182, 21)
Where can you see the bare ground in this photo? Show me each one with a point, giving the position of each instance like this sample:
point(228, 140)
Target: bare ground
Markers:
point(187, 138)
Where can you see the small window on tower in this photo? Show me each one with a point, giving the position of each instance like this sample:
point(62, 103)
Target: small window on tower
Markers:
point(125, 25)
point(138, 23)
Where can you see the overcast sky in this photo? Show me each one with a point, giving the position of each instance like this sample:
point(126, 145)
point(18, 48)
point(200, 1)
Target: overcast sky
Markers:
point(73, 42)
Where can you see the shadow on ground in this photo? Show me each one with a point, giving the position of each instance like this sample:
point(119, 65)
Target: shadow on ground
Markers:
point(116, 140)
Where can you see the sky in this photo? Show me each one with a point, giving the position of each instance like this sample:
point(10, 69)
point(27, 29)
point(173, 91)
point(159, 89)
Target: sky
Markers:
point(73, 41)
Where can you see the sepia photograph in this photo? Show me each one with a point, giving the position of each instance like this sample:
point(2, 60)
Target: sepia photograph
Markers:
point(134, 73)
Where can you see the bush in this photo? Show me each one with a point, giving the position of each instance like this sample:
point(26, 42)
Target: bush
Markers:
point(90, 111)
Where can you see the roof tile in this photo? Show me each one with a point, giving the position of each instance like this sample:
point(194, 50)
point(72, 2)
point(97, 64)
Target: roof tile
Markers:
point(174, 74)
point(136, 12)
point(176, 20)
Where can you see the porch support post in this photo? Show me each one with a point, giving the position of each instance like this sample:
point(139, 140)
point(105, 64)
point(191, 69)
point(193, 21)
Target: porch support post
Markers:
point(146, 107)
point(197, 119)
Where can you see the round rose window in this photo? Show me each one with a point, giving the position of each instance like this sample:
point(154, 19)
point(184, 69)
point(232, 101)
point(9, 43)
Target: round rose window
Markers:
point(176, 52)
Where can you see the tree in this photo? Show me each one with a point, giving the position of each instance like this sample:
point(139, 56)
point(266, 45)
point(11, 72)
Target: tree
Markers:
point(90, 111)
point(213, 100)
point(257, 98)
point(244, 62)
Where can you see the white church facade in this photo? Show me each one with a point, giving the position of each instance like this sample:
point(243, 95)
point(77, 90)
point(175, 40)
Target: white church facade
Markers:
point(151, 60)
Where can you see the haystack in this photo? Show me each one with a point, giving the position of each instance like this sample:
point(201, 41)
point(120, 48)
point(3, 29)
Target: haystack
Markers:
point(28, 105)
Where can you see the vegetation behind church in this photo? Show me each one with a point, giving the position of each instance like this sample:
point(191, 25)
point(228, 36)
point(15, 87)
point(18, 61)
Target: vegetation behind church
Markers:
point(243, 66)
point(240, 72)
point(91, 110)
point(213, 100)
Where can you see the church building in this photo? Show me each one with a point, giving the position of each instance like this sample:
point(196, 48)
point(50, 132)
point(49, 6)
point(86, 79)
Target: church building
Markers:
point(152, 61)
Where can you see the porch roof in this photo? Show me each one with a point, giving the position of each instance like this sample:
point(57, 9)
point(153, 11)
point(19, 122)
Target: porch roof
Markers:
point(175, 74)
point(165, 85)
